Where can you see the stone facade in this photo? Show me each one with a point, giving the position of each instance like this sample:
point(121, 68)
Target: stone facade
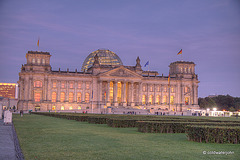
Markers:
point(102, 86)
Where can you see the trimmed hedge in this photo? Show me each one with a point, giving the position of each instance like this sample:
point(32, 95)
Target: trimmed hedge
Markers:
point(97, 120)
point(213, 134)
point(173, 127)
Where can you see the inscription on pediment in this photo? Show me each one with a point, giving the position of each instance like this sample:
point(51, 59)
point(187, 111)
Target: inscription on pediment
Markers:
point(121, 73)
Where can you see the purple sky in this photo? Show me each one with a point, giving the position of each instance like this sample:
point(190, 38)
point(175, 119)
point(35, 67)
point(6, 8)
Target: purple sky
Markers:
point(208, 31)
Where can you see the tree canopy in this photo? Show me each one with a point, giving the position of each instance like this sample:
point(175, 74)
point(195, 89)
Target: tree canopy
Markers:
point(221, 102)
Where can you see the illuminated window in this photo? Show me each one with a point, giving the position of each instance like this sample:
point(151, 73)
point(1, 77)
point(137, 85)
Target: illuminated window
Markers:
point(151, 99)
point(181, 69)
point(87, 97)
point(63, 85)
point(164, 99)
point(189, 70)
point(70, 97)
point(70, 108)
point(143, 99)
point(186, 100)
point(37, 97)
point(151, 88)
point(54, 84)
point(53, 108)
point(172, 100)
point(33, 60)
point(165, 89)
point(79, 107)
point(185, 70)
point(79, 85)
point(111, 91)
point(37, 84)
point(79, 97)
point(158, 88)
point(38, 61)
point(54, 96)
point(158, 99)
point(87, 85)
point(62, 97)
point(71, 85)
point(43, 61)
point(144, 88)
point(62, 107)
point(187, 89)
point(172, 90)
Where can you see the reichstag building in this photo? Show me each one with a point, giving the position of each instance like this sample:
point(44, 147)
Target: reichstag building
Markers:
point(103, 83)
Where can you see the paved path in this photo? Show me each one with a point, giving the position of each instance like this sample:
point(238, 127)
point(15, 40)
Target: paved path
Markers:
point(7, 148)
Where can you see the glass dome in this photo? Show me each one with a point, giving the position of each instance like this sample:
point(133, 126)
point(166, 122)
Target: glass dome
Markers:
point(106, 57)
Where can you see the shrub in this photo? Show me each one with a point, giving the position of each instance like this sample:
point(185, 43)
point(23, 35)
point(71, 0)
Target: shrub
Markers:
point(213, 134)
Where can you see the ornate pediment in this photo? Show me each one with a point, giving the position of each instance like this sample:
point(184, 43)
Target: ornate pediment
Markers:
point(121, 72)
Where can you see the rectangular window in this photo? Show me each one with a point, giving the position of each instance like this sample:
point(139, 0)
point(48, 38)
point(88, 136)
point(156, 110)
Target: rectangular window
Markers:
point(79, 107)
point(158, 88)
point(87, 97)
point(144, 99)
point(70, 108)
point(144, 88)
point(63, 85)
point(54, 84)
point(62, 108)
point(172, 100)
point(79, 97)
point(53, 108)
point(165, 89)
point(71, 85)
point(172, 90)
point(62, 97)
point(87, 85)
point(151, 88)
point(79, 85)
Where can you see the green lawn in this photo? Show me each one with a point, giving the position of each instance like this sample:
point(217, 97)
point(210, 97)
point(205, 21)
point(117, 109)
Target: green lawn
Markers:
point(43, 137)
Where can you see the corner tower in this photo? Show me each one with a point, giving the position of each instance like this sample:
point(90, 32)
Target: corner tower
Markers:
point(182, 69)
point(37, 61)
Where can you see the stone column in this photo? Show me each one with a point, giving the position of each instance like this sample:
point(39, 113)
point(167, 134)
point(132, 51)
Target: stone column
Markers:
point(132, 94)
point(67, 90)
point(115, 93)
point(140, 93)
point(124, 94)
point(58, 90)
point(83, 90)
point(195, 95)
point(108, 94)
point(100, 93)
point(30, 88)
point(75, 91)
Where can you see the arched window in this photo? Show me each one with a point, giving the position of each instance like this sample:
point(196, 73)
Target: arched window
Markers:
point(62, 97)
point(33, 60)
point(79, 107)
point(62, 107)
point(37, 84)
point(143, 99)
point(62, 84)
point(38, 61)
point(54, 96)
point(87, 97)
point(79, 97)
point(37, 97)
point(70, 108)
point(172, 90)
point(164, 99)
point(151, 99)
point(144, 88)
point(70, 97)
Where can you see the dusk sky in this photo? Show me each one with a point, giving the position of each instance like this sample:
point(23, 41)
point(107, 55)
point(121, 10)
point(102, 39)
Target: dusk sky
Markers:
point(208, 32)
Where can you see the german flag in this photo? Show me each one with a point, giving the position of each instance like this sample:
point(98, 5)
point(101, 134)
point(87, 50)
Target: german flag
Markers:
point(180, 52)
point(38, 42)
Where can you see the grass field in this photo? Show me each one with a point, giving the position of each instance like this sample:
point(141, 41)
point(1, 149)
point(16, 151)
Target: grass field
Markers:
point(43, 137)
